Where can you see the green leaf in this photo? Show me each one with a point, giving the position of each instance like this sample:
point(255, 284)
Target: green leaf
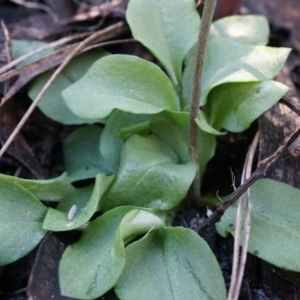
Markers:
point(171, 263)
point(149, 176)
point(173, 128)
point(230, 61)
point(174, 30)
point(21, 218)
point(201, 121)
point(82, 157)
point(86, 200)
point(121, 82)
point(249, 29)
point(110, 141)
point(234, 106)
point(52, 104)
point(47, 190)
point(275, 224)
point(92, 266)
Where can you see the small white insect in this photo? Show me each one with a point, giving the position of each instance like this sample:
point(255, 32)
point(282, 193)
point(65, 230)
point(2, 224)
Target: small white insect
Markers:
point(72, 212)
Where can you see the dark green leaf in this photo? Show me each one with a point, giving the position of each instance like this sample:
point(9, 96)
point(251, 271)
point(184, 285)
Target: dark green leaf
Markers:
point(82, 157)
point(170, 264)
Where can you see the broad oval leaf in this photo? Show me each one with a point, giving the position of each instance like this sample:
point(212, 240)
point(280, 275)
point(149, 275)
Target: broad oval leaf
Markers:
point(52, 104)
point(21, 218)
point(242, 63)
point(110, 142)
point(150, 175)
point(249, 29)
point(177, 123)
point(92, 266)
point(82, 156)
point(86, 201)
point(174, 30)
point(275, 224)
point(170, 264)
point(121, 82)
point(234, 106)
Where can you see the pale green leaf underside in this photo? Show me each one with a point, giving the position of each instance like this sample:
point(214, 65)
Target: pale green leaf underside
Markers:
point(168, 28)
point(170, 264)
point(82, 157)
point(234, 106)
point(249, 29)
point(86, 200)
point(150, 175)
point(121, 82)
point(229, 61)
point(21, 218)
point(110, 141)
point(202, 123)
point(92, 266)
point(47, 190)
point(275, 224)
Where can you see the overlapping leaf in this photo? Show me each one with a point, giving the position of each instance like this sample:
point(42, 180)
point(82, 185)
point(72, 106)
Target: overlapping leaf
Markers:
point(174, 30)
point(171, 263)
point(150, 175)
point(21, 218)
point(92, 266)
point(178, 124)
point(275, 225)
point(110, 141)
point(121, 82)
point(251, 63)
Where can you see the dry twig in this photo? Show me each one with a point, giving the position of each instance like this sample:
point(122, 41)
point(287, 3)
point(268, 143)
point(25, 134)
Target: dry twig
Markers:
point(73, 53)
point(239, 263)
point(260, 172)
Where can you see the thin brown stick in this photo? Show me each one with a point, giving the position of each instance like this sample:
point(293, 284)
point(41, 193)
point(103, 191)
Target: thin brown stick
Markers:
point(78, 48)
point(209, 8)
point(105, 34)
point(42, 48)
point(7, 45)
point(260, 172)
